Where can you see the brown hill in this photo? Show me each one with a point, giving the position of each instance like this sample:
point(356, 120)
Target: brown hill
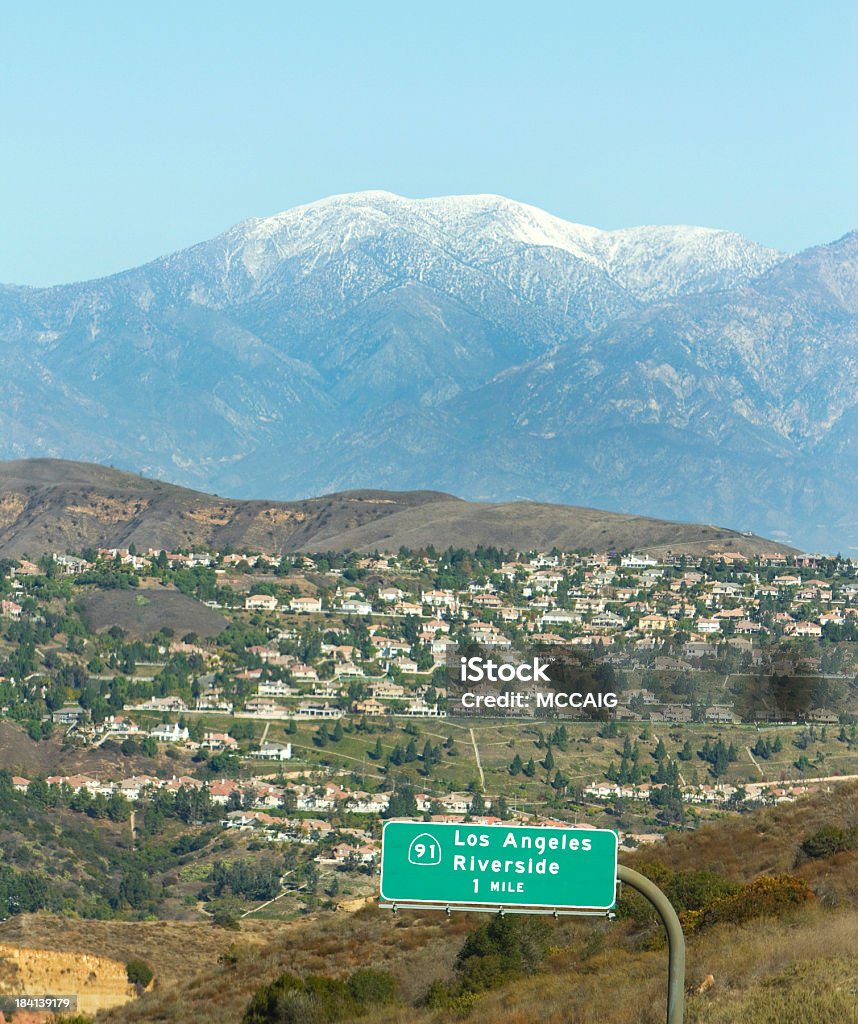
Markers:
point(54, 505)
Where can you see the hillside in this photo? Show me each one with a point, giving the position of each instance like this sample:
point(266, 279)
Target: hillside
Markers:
point(144, 614)
point(470, 344)
point(797, 965)
point(53, 505)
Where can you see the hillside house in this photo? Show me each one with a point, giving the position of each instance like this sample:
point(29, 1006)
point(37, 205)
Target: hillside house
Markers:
point(273, 752)
point(169, 732)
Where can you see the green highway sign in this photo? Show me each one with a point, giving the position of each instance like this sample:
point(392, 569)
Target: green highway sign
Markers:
point(499, 865)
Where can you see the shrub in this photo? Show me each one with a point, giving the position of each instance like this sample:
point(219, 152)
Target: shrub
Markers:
point(688, 891)
point(497, 952)
point(704, 898)
point(769, 895)
point(139, 972)
point(225, 914)
point(319, 999)
point(519, 942)
point(828, 841)
point(369, 986)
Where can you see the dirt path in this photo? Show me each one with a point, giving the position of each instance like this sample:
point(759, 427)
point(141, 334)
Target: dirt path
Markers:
point(754, 761)
point(477, 756)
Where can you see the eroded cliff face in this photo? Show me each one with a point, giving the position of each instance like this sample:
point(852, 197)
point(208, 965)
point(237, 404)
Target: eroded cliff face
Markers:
point(98, 982)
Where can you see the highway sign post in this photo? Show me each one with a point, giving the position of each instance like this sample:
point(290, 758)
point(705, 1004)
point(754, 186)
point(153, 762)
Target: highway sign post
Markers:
point(519, 869)
point(500, 866)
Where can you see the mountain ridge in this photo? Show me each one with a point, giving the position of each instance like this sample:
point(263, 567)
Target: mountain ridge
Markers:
point(369, 339)
point(55, 506)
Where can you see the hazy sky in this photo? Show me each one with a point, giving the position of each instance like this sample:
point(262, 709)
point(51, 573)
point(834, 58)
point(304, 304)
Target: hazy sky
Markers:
point(129, 130)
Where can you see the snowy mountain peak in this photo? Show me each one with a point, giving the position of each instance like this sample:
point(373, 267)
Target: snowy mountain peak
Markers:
point(650, 262)
point(468, 343)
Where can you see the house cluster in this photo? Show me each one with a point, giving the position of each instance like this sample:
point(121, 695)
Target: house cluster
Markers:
point(620, 605)
point(119, 727)
point(596, 599)
point(590, 598)
point(718, 794)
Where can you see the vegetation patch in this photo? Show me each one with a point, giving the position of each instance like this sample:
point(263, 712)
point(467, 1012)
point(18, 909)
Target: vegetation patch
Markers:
point(317, 999)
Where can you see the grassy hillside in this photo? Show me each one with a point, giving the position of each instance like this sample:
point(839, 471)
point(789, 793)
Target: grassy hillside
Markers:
point(142, 613)
point(793, 964)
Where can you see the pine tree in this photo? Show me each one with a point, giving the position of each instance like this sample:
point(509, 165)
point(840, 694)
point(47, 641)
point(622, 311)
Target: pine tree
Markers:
point(516, 765)
point(548, 763)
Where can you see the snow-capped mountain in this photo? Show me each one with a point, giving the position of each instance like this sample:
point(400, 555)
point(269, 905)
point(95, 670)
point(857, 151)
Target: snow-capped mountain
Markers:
point(484, 232)
point(468, 342)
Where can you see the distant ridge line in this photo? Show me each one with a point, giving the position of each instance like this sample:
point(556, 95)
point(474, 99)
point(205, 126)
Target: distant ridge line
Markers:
point(54, 505)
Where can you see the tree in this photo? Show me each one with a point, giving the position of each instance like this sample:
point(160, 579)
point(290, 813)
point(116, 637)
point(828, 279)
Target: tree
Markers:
point(119, 809)
point(548, 762)
point(402, 803)
point(225, 913)
point(320, 737)
point(135, 889)
point(139, 973)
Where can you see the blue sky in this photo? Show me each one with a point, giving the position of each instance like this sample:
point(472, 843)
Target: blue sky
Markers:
point(131, 130)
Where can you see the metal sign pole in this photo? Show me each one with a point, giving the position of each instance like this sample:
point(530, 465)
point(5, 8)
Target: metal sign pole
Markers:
point(675, 940)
